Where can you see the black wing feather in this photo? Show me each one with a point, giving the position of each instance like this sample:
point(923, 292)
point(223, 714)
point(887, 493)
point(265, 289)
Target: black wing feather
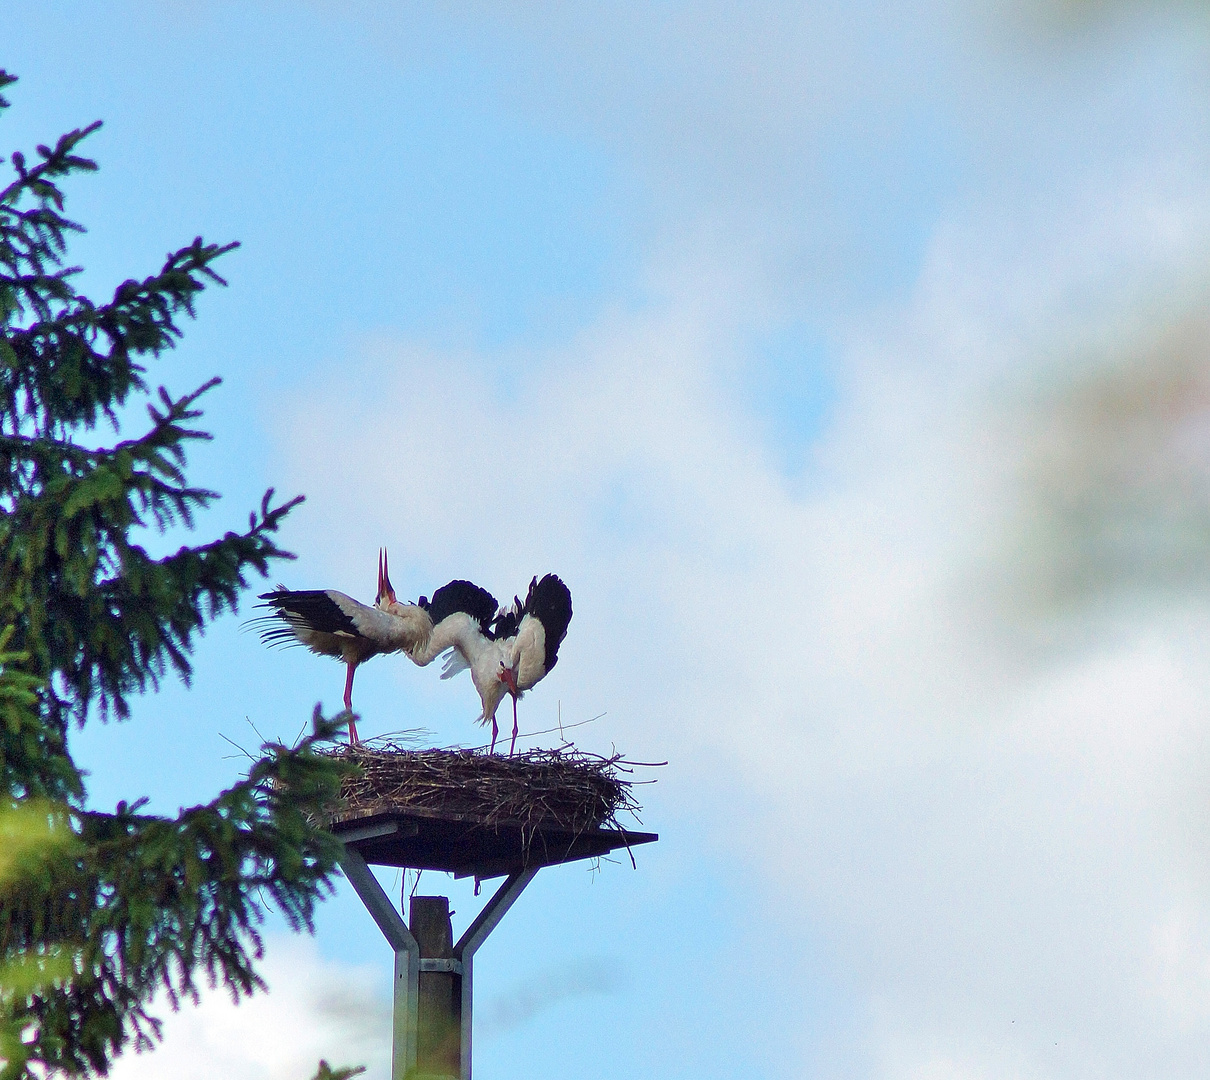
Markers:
point(507, 621)
point(549, 601)
point(310, 608)
point(461, 596)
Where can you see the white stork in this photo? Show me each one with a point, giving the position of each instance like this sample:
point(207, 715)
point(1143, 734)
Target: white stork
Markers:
point(517, 651)
point(331, 623)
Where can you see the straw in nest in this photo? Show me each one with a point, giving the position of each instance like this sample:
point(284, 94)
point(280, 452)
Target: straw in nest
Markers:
point(565, 788)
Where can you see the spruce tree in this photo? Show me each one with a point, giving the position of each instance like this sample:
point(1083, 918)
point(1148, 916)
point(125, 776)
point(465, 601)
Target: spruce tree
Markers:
point(102, 910)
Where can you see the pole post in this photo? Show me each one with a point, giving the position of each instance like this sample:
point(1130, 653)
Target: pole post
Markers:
point(439, 1004)
point(434, 989)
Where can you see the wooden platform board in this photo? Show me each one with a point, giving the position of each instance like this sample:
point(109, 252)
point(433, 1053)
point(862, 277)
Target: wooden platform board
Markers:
point(467, 846)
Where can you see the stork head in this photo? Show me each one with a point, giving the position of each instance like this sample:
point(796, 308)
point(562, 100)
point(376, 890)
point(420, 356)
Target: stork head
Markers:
point(386, 594)
point(508, 676)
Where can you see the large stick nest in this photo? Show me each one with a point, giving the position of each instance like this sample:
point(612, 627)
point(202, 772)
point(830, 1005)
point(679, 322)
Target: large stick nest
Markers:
point(565, 788)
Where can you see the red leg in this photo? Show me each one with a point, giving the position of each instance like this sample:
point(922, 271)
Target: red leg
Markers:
point(353, 739)
point(495, 732)
point(514, 745)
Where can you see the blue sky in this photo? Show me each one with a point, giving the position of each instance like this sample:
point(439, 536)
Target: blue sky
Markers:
point(773, 330)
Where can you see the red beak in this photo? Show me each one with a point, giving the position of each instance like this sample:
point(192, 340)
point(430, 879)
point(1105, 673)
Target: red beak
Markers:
point(509, 679)
point(384, 577)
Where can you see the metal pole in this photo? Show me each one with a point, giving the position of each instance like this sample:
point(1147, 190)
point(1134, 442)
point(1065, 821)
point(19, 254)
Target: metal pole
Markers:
point(476, 934)
point(404, 1023)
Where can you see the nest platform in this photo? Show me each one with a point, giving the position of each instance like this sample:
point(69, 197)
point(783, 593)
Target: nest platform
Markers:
point(482, 815)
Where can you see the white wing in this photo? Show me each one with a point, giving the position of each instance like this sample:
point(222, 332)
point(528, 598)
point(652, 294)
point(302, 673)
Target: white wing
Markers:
point(454, 663)
point(381, 627)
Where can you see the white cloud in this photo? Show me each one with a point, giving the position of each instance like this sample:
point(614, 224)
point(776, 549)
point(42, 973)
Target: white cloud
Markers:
point(315, 1008)
point(1000, 847)
point(995, 828)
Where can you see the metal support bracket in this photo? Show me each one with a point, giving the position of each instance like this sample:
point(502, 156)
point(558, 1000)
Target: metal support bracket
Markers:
point(409, 964)
point(404, 1026)
point(476, 934)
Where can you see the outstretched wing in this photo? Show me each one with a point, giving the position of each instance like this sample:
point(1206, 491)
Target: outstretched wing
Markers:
point(331, 622)
point(549, 601)
point(461, 596)
point(298, 614)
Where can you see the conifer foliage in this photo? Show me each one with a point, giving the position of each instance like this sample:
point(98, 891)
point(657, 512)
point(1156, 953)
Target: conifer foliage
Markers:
point(114, 907)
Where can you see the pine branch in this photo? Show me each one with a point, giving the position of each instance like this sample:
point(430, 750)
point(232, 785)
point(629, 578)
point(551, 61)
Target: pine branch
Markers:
point(57, 162)
point(207, 869)
point(91, 350)
point(159, 487)
point(118, 636)
point(34, 762)
point(33, 240)
point(326, 1072)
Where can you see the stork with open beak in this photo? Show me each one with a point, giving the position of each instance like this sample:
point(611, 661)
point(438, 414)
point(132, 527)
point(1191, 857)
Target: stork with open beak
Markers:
point(331, 623)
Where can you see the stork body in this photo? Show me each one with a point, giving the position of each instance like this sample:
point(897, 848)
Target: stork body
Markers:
point(332, 623)
point(461, 615)
point(508, 650)
point(516, 651)
point(469, 647)
point(542, 626)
